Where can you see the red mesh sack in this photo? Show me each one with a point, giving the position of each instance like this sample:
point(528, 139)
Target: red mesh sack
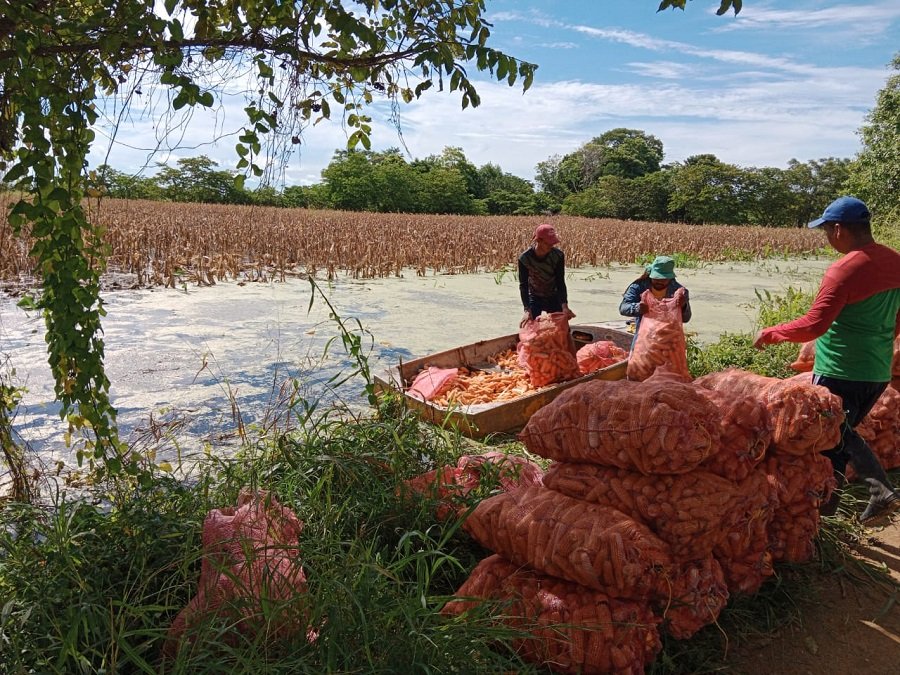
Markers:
point(250, 565)
point(805, 483)
point(568, 628)
point(744, 553)
point(592, 545)
point(881, 429)
point(693, 598)
point(546, 350)
point(432, 382)
point(451, 485)
point(806, 358)
point(747, 431)
point(807, 418)
point(651, 427)
point(597, 355)
point(660, 338)
point(687, 511)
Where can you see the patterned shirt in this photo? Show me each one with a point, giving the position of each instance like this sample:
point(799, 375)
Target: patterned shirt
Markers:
point(542, 277)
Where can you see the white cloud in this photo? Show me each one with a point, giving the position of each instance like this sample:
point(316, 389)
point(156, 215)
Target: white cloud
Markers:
point(852, 20)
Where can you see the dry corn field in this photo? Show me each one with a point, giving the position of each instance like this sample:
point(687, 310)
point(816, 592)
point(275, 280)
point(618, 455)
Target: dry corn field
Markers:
point(165, 244)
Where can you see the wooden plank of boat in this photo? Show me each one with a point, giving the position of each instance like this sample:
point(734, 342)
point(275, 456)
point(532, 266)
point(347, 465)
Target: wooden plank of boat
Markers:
point(480, 420)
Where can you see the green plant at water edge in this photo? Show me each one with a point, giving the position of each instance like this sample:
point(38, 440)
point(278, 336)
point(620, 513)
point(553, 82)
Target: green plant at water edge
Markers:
point(773, 309)
point(736, 350)
point(13, 453)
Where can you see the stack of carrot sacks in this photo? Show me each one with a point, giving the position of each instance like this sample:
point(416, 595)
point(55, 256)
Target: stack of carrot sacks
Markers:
point(664, 497)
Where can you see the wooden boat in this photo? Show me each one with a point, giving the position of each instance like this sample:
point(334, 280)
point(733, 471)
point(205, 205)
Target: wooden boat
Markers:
point(480, 420)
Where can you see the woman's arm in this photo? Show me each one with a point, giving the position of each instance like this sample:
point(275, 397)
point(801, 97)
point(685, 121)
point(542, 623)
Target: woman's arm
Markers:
point(631, 301)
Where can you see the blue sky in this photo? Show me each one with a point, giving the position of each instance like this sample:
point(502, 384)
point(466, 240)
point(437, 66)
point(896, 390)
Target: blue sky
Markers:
point(781, 80)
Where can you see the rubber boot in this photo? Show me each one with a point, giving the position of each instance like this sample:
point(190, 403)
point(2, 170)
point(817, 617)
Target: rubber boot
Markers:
point(882, 496)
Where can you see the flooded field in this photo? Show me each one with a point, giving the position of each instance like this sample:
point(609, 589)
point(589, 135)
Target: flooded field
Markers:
point(200, 362)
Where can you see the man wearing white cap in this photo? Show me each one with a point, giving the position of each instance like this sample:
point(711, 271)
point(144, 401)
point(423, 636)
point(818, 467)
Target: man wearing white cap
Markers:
point(542, 276)
point(854, 320)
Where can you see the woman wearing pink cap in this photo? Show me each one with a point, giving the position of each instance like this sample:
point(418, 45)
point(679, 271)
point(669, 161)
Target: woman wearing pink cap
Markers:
point(542, 276)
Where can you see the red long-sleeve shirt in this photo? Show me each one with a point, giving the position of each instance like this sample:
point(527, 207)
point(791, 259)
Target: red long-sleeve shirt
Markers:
point(858, 275)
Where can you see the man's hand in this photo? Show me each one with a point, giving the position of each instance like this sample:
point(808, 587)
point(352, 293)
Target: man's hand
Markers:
point(758, 341)
point(568, 312)
point(526, 317)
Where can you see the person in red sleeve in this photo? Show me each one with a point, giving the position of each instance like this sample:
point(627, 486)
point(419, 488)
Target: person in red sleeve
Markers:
point(853, 319)
point(542, 276)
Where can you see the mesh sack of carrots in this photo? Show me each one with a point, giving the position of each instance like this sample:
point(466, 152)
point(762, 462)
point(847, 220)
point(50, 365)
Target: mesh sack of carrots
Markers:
point(747, 431)
point(572, 539)
point(687, 511)
point(451, 486)
point(696, 596)
point(660, 338)
point(546, 350)
point(744, 551)
point(431, 382)
point(566, 627)
point(807, 418)
point(805, 484)
point(881, 430)
point(651, 427)
point(597, 355)
point(474, 387)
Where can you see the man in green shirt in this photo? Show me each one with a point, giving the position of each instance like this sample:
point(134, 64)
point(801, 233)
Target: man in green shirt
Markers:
point(854, 320)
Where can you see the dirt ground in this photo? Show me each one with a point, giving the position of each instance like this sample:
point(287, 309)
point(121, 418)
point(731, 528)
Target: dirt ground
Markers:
point(849, 627)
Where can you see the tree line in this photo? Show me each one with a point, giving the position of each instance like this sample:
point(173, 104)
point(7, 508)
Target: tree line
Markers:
point(616, 175)
point(619, 174)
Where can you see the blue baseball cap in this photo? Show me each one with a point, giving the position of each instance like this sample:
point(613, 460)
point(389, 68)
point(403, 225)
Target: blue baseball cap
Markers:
point(843, 210)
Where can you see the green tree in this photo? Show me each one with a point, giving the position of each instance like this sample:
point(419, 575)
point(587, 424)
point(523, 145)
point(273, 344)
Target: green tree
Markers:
point(398, 185)
point(121, 185)
point(57, 59)
point(875, 173)
point(503, 193)
point(706, 190)
point(767, 197)
point(197, 179)
point(650, 195)
point(626, 153)
point(349, 180)
point(305, 196)
point(814, 184)
point(443, 190)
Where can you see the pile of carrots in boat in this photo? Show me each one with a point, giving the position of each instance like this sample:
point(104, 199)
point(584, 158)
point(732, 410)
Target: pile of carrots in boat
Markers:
point(476, 386)
point(473, 386)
